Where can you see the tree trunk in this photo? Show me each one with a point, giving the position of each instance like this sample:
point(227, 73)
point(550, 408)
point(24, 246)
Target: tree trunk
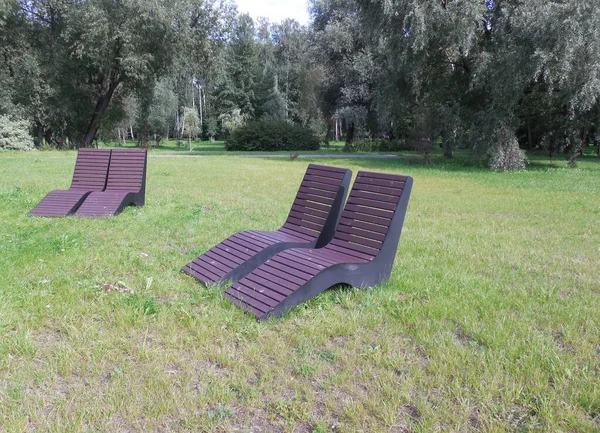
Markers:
point(48, 137)
point(40, 135)
point(131, 130)
point(448, 152)
point(200, 105)
point(98, 113)
point(337, 130)
point(350, 133)
point(190, 140)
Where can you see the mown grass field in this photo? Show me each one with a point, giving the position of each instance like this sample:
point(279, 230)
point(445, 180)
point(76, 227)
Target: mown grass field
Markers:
point(181, 147)
point(489, 323)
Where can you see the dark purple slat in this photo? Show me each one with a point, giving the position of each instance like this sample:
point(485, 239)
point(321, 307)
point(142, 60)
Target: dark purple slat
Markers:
point(242, 245)
point(309, 257)
point(354, 230)
point(320, 182)
point(249, 308)
point(309, 211)
point(307, 217)
point(260, 292)
point(299, 231)
point(343, 244)
point(314, 198)
point(234, 254)
point(376, 197)
point(267, 237)
point(279, 287)
point(379, 182)
point(276, 276)
point(307, 224)
point(363, 225)
point(385, 176)
point(358, 240)
point(312, 205)
point(292, 263)
point(371, 203)
point(350, 215)
point(285, 268)
point(234, 291)
point(378, 189)
point(218, 265)
point(367, 211)
point(202, 269)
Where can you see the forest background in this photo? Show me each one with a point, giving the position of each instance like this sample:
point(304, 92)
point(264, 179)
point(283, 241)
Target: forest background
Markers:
point(497, 77)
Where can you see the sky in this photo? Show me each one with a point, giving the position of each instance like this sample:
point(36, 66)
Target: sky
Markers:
point(276, 10)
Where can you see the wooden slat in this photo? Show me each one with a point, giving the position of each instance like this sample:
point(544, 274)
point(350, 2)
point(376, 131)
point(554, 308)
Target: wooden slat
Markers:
point(308, 217)
point(377, 197)
point(368, 251)
point(358, 240)
point(277, 277)
point(354, 230)
point(363, 225)
point(371, 203)
point(233, 291)
point(259, 293)
point(367, 211)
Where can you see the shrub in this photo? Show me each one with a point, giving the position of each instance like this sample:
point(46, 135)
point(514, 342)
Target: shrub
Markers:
point(377, 145)
point(272, 135)
point(14, 134)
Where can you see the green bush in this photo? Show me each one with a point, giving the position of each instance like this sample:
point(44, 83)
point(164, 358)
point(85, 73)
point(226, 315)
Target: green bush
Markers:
point(377, 145)
point(271, 135)
point(14, 134)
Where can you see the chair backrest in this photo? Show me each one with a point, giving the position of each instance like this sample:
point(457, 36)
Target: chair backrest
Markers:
point(376, 202)
point(127, 170)
point(91, 169)
point(318, 204)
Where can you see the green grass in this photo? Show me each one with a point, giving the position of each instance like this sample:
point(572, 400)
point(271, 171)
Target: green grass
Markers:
point(213, 148)
point(489, 323)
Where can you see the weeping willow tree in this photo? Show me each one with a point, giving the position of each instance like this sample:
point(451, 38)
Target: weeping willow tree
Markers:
point(496, 75)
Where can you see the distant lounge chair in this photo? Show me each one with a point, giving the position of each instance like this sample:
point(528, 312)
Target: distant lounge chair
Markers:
point(311, 223)
point(361, 253)
point(89, 175)
point(125, 185)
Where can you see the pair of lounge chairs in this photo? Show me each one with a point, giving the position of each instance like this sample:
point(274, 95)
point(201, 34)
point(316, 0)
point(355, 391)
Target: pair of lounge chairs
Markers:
point(104, 183)
point(316, 248)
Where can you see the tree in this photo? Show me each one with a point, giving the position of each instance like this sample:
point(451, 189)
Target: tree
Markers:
point(191, 123)
point(80, 53)
point(490, 69)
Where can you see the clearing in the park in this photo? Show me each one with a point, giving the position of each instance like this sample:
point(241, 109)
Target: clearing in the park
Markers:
point(489, 321)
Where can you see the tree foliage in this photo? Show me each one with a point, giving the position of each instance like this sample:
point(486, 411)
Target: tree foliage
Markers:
point(493, 76)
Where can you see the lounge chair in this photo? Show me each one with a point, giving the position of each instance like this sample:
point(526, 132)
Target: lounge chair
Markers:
point(310, 223)
point(91, 168)
point(126, 184)
point(361, 252)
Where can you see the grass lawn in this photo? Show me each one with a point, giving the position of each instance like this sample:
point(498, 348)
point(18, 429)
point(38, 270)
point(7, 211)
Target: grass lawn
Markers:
point(489, 323)
point(213, 148)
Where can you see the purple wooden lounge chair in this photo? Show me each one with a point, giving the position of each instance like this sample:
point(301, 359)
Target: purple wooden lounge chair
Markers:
point(311, 223)
point(125, 185)
point(361, 252)
point(89, 175)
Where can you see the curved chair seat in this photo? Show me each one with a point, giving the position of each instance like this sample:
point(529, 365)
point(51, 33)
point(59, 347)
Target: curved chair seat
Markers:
point(311, 222)
point(89, 175)
point(125, 185)
point(361, 252)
